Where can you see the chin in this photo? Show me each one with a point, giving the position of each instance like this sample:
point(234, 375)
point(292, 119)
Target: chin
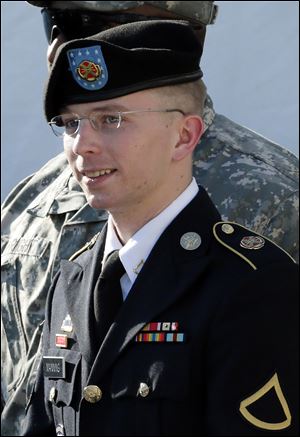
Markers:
point(98, 202)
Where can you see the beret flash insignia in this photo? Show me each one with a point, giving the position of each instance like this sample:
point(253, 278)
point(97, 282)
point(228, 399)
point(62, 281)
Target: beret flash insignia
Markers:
point(88, 67)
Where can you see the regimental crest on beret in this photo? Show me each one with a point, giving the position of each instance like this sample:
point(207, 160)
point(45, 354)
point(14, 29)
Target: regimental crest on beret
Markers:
point(88, 67)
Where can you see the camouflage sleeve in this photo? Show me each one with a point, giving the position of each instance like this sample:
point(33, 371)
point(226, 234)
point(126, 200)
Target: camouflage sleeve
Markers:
point(283, 228)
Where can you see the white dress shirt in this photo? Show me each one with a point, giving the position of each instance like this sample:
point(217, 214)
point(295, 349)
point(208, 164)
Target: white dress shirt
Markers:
point(135, 252)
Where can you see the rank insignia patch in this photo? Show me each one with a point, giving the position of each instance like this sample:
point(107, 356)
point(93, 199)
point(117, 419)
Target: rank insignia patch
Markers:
point(88, 67)
point(280, 420)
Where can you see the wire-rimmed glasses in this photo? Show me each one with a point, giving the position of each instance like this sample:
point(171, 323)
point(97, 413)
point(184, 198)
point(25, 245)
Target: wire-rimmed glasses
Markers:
point(103, 121)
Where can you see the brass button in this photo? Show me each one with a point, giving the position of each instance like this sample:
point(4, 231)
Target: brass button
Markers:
point(92, 393)
point(144, 389)
point(227, 228)
point(52, 394)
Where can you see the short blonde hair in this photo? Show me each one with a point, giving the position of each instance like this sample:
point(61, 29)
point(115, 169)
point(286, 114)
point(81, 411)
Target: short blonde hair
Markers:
point(189, 97)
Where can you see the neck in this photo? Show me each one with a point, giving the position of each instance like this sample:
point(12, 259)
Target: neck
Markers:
point(128, 222)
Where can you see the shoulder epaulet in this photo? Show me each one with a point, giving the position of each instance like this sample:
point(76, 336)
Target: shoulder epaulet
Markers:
point(247, 244)
point(87, 246)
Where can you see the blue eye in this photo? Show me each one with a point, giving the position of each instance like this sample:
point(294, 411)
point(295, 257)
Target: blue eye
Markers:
point(71, 125)
point(111, 119)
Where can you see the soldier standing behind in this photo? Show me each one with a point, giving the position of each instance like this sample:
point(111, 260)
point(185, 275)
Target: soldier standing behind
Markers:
point(46, 218)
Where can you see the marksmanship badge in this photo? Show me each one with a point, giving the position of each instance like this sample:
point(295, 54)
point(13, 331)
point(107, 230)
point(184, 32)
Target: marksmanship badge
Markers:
point(88, 67)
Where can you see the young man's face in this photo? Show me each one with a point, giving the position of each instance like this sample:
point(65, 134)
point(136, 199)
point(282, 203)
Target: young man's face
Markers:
point(135, 160)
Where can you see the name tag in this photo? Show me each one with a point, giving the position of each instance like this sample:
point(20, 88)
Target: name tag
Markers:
point(54, 367)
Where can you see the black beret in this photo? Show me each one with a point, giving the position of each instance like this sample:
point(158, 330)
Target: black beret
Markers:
point(122, 60)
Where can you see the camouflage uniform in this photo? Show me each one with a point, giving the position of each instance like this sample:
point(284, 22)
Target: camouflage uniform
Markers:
point(204, 12)
point(251, 180)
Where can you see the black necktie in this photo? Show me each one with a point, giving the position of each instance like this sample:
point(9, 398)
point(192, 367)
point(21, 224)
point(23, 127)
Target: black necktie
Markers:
point(108, 294)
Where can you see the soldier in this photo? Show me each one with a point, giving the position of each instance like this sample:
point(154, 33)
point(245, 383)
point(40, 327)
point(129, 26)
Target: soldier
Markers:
point(177, 333)
point(46, 216)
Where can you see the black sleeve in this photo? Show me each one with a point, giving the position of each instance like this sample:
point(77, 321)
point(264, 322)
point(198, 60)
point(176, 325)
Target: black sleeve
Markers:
point(253, 364)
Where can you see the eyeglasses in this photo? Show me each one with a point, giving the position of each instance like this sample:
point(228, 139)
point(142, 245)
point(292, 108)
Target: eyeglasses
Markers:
point(74, 23)
point(105, 122)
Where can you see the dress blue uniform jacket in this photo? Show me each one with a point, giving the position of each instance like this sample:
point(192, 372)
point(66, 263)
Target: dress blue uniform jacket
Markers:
point(226, 365)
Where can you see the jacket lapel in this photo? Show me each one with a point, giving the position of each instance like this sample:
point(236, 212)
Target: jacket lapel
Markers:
point(79, 281)
point(170, 271)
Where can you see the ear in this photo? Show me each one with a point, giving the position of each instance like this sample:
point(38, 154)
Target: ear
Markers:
point(191, 129)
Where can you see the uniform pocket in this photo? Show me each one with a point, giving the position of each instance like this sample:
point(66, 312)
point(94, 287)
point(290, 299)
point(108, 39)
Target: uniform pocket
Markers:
point(63, 391)
point(152, 371)
point(148, 381)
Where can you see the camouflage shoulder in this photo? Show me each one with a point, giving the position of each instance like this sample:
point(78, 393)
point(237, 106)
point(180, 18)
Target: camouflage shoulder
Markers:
point(15, 190)
point(251, 247)
point(86, 247)
point(254, 145)
point(27, 189)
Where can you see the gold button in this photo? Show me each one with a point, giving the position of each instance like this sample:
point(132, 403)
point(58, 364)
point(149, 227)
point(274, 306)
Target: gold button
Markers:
point(52, 394)
point(92, 393)
point(227, 228)
point(144, 390)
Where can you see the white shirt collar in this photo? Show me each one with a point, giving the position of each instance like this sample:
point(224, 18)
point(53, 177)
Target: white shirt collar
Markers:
point(137, 249)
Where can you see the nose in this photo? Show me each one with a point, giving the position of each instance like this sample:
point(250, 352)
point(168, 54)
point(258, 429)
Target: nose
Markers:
point(87, 140)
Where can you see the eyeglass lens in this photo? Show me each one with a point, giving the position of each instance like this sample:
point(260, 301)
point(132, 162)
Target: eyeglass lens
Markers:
point(74, 23)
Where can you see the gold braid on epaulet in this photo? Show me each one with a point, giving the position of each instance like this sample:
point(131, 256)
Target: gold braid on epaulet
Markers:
point(87, 246)
point(243, 241)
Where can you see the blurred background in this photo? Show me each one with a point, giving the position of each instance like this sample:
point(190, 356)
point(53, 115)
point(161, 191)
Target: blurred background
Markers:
point(250, 64)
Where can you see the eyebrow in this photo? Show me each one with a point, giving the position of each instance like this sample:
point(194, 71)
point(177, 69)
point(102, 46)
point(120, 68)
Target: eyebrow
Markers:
point(112, 107)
